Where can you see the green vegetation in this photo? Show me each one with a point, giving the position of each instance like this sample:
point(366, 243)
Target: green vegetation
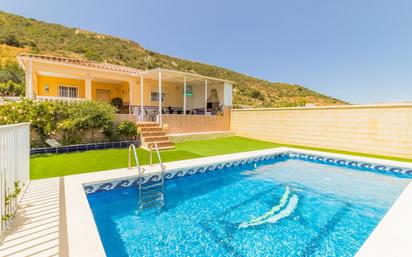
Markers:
point(53, 165)
point(117, 102)
point(11, 79)
point(69, 123)
point(19, 34)
point(127, 129)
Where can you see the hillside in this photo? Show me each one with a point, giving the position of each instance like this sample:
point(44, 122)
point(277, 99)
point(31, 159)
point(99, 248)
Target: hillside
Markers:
point(19, 34)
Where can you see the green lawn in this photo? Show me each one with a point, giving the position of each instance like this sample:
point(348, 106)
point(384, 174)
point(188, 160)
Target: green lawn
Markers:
point(53, 165)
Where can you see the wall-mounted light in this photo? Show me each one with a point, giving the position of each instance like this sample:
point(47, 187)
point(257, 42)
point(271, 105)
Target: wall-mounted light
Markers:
point(46, 88)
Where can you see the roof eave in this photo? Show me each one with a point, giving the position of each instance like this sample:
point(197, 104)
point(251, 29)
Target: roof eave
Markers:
point(183, 73)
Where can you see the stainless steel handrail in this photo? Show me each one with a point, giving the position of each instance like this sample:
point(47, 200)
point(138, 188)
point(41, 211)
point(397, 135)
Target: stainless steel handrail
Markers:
point(139, 169)
point(162, 167)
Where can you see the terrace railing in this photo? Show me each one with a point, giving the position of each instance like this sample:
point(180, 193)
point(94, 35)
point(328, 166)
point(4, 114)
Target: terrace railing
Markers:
point(58, 99)
point(14, 169)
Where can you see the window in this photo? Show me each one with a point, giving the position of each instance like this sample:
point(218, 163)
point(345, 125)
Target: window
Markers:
point(68, 91)
point(155, 97)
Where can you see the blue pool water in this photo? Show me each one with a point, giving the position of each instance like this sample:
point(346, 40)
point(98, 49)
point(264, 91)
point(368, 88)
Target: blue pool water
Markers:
point(289, 207)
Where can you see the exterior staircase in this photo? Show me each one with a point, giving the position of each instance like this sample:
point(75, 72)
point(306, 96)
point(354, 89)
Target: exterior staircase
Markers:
point(151, 132)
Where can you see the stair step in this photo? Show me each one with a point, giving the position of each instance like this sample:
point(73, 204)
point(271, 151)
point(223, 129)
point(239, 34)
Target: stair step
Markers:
point(167, 147)
point(151, 185)
point(151, 129)
point(148, 197)
point(153, 134)
point(148, 193)
point(151, 190)
point(154, 200)
point(164, 143)
point(155, 139)
point(147, 124)
point(151, 204)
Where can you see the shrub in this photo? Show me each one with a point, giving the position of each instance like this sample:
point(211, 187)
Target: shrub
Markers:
point(255, 94)
point(86, 115)
point(117, 102)
point(127, 129)
point(68, 122)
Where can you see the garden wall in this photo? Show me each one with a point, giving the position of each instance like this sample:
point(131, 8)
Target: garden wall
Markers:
point(372, 129)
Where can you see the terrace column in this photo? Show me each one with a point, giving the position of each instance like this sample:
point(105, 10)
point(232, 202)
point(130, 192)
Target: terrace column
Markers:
point(131, 84)
point(205, 96)
point(141, 99)
point(160, 97)
point(88, 87)
point(184, 95)
point(29, 80)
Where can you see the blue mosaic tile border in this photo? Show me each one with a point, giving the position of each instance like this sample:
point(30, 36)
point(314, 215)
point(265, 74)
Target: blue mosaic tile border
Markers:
point(350, 163)
point(92, 188)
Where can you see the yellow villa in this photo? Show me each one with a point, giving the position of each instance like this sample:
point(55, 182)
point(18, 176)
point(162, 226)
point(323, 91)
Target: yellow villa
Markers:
point(61, 78)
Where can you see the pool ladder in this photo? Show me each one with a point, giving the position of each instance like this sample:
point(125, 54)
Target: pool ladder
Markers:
point(151, 194)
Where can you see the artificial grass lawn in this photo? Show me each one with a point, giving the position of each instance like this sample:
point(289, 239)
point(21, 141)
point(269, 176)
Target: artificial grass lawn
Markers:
point(54, 165)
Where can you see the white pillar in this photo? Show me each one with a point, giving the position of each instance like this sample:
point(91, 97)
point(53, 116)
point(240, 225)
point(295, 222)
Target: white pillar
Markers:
point(88, 87)
point(184, 95)
point(141, 99)
point(131, 85)
point(227, 91)
point(160, 98)
point(29, 80)
point(205, 96)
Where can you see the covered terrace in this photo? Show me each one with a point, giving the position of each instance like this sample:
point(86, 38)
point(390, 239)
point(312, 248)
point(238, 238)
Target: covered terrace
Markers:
point(169, 92)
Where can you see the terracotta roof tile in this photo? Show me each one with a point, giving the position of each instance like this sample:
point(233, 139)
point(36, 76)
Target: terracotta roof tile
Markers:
point(86, 63)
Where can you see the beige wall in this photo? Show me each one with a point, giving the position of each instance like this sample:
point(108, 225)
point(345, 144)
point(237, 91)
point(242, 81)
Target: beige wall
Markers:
point(197, 123)
point(173, 93)
point(374, 129)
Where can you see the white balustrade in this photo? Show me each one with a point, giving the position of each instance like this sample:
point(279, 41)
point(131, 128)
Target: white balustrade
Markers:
point(14, 169)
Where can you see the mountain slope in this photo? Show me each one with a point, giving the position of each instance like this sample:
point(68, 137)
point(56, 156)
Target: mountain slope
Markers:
point(19, 34)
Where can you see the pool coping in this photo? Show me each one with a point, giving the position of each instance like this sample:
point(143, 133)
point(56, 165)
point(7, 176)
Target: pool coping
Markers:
point(83, 238)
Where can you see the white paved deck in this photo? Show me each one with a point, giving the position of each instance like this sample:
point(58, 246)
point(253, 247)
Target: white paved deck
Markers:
point(38, 229)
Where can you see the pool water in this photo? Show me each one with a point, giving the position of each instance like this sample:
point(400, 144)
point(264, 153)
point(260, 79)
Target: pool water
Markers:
point(285, 207)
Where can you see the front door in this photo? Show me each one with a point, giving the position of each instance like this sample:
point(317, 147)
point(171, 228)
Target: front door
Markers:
point(103, 95)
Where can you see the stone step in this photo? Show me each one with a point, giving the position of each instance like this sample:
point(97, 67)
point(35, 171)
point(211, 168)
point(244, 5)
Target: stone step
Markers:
point(167, 147)
point(164, 144)
point(147, 124)
point(155, 139)
point(160, 144)
point(153, 134)
point(151, 129)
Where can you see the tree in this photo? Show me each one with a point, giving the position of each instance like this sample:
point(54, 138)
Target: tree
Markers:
point(11, 71)
point(11, 40)
point(11, 88)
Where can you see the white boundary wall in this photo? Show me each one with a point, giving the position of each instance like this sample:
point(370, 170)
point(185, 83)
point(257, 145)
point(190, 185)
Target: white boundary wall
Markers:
point(14, 168)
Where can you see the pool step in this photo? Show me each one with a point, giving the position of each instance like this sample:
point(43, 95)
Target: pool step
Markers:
point(156, 202)
point(151, 197)
point(151, 193)
point(150, 186)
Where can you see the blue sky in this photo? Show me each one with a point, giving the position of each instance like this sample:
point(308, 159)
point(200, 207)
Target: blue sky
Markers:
point(358, 51)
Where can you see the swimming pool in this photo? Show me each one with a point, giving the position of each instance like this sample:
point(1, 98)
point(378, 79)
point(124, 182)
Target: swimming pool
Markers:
point(280, 205)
